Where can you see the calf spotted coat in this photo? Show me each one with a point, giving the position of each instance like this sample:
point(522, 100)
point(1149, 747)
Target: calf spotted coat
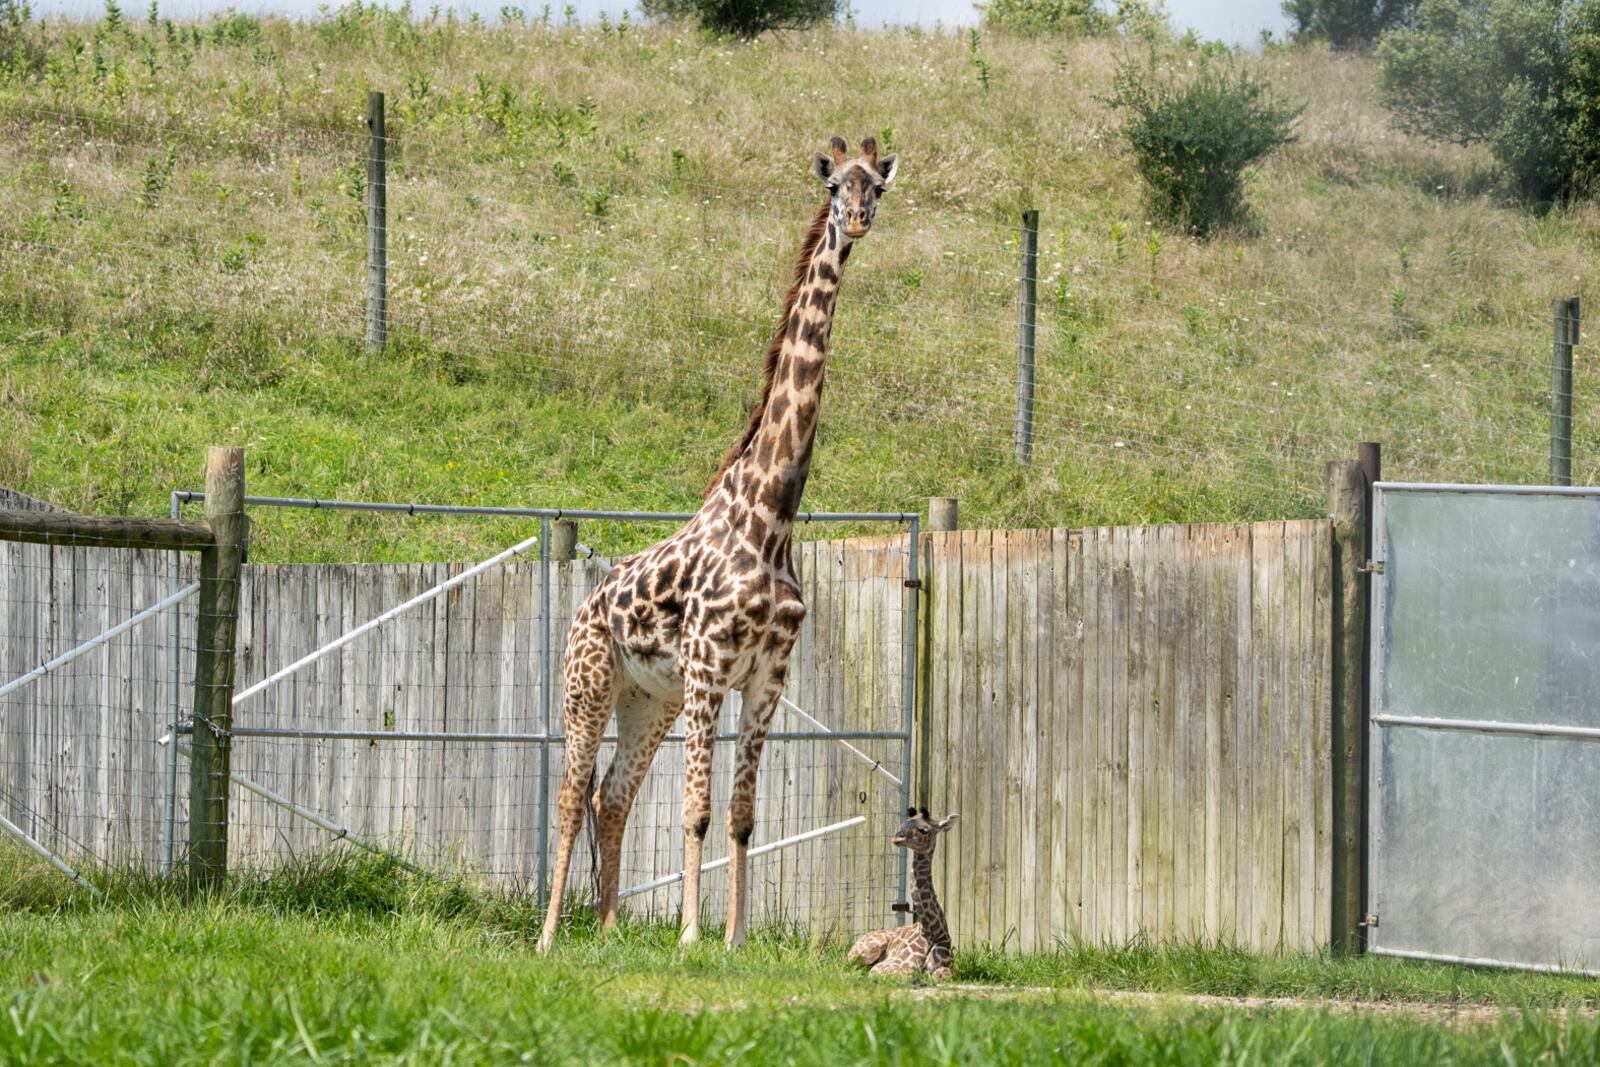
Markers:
point(924, 946)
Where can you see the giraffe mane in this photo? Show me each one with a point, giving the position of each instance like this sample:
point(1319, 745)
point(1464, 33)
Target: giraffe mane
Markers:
point(808, 248)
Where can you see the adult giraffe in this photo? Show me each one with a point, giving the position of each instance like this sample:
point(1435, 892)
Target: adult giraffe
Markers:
point(715, 607)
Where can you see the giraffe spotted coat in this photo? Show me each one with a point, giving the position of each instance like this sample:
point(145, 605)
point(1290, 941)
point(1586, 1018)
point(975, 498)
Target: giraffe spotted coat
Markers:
point(924, 946)
point(715, 607)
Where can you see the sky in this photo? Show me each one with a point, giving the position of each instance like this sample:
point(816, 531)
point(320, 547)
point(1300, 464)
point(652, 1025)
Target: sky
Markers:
point(1234, 21)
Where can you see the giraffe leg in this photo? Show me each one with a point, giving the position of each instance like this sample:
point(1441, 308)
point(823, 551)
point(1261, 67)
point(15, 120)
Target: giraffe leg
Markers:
point(700, 710)
point(761, 702)
point(586, 705)
point(642, 721)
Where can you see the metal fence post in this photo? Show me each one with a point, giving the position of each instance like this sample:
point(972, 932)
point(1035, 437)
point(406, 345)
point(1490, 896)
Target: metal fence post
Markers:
point(215, 633)
point(1027, 301)
point(1370, 455)
point(377, 227)
point(908, 683)
point(169, 799)
point(544, 706)
point(1565, 337)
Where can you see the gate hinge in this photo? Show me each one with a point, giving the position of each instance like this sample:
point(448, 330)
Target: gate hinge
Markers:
point(900, 906)
point(1371, 566)
point(1370, 921)
point(913, 583)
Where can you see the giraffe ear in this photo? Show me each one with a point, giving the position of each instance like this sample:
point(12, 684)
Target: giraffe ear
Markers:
point(888, 167)
point(822, 167)
point(946, 822)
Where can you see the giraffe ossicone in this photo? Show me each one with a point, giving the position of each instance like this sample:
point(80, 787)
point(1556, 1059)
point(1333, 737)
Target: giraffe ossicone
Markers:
point(923, 946)
point(716, 607)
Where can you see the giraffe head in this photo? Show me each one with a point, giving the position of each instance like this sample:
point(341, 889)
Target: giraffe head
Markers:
point(920, 830)
point(854, 185)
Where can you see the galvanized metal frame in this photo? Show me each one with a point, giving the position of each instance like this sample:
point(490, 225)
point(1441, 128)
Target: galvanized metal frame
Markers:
point(546, 738)
point(1380, 719)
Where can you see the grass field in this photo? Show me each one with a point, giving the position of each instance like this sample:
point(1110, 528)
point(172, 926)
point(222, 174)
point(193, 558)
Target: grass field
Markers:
point(352, 961)
point(589, 231)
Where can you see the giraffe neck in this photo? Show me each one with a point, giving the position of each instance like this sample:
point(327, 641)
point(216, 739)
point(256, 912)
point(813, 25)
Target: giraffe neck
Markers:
point(924, 903)
point(770, 475)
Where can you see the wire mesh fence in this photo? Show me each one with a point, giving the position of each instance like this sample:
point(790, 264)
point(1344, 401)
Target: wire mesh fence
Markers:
point(414, 709)
point(1210, 385)
point(91, 672)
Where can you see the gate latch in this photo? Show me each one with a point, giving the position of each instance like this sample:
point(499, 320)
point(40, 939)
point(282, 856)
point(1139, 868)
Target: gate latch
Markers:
point(913, 583)
point(1371, 566)
point(900, 906)
point(1370, 921)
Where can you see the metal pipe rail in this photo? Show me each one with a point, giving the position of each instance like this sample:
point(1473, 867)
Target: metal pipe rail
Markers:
point(1490, 726)
point(99, 639)
point(188, 496)
point(290, 733)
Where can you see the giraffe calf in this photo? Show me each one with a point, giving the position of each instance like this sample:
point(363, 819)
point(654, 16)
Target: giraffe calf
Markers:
point(924, 945)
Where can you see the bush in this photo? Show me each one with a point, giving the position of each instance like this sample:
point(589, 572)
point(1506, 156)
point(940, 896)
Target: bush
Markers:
point(1040, 18)
point(1193, 140)
point(1347, 23)
point(1522, 76)
point(744, 18)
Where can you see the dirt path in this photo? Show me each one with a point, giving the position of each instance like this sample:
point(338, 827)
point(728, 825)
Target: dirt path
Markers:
point(1455, 1014)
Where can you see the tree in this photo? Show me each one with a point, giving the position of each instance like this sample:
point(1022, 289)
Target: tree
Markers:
point(744, 18)
point(1045, 18)
point(1521, 76)
point(1193, 140)
point(1347, 23)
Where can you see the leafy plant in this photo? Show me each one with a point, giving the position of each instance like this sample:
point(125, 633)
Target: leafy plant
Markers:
point(1347, 24)
point(1521, 76)
point(747, 19)
point(156, 176)
point(1193, 140)
point(1045, 18)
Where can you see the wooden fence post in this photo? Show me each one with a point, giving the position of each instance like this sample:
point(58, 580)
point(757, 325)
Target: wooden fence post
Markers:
point(377, 226)
point(563, 540)
point(1347, 504)
point(941, 513)
point(216, 629)
point(1027, 303)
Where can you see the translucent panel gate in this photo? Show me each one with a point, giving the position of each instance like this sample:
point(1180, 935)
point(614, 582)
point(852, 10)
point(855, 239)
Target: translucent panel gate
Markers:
point(1484, 806)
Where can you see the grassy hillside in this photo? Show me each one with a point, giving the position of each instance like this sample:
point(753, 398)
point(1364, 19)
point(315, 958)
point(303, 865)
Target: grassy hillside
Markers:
point(590, 229)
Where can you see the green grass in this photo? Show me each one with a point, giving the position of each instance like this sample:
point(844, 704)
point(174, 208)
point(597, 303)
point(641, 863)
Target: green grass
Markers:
point(348, 958)
point(589, 237)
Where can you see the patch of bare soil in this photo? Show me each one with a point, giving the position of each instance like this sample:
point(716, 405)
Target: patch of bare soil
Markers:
point(1450, 1014)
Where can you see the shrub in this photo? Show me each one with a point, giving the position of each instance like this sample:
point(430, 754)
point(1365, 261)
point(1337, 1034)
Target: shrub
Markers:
point(1347, 23)
point(1194, 140)
point(1040, 18)
point(1522, 76)
point(744, 18)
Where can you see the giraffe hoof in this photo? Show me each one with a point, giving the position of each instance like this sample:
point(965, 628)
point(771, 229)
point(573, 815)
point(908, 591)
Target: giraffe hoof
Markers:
point(543, 947)
point(689, 937)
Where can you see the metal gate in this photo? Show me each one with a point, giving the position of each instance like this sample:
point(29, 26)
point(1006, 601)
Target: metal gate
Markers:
point(1484, 806)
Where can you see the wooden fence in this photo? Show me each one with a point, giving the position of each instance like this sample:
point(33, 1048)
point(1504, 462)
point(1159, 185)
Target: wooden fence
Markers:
point(1135, 727)
point(1133, 723)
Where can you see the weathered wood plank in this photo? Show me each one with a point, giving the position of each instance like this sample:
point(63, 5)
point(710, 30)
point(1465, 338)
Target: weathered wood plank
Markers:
point(1060, 660)
point(1138, 720)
